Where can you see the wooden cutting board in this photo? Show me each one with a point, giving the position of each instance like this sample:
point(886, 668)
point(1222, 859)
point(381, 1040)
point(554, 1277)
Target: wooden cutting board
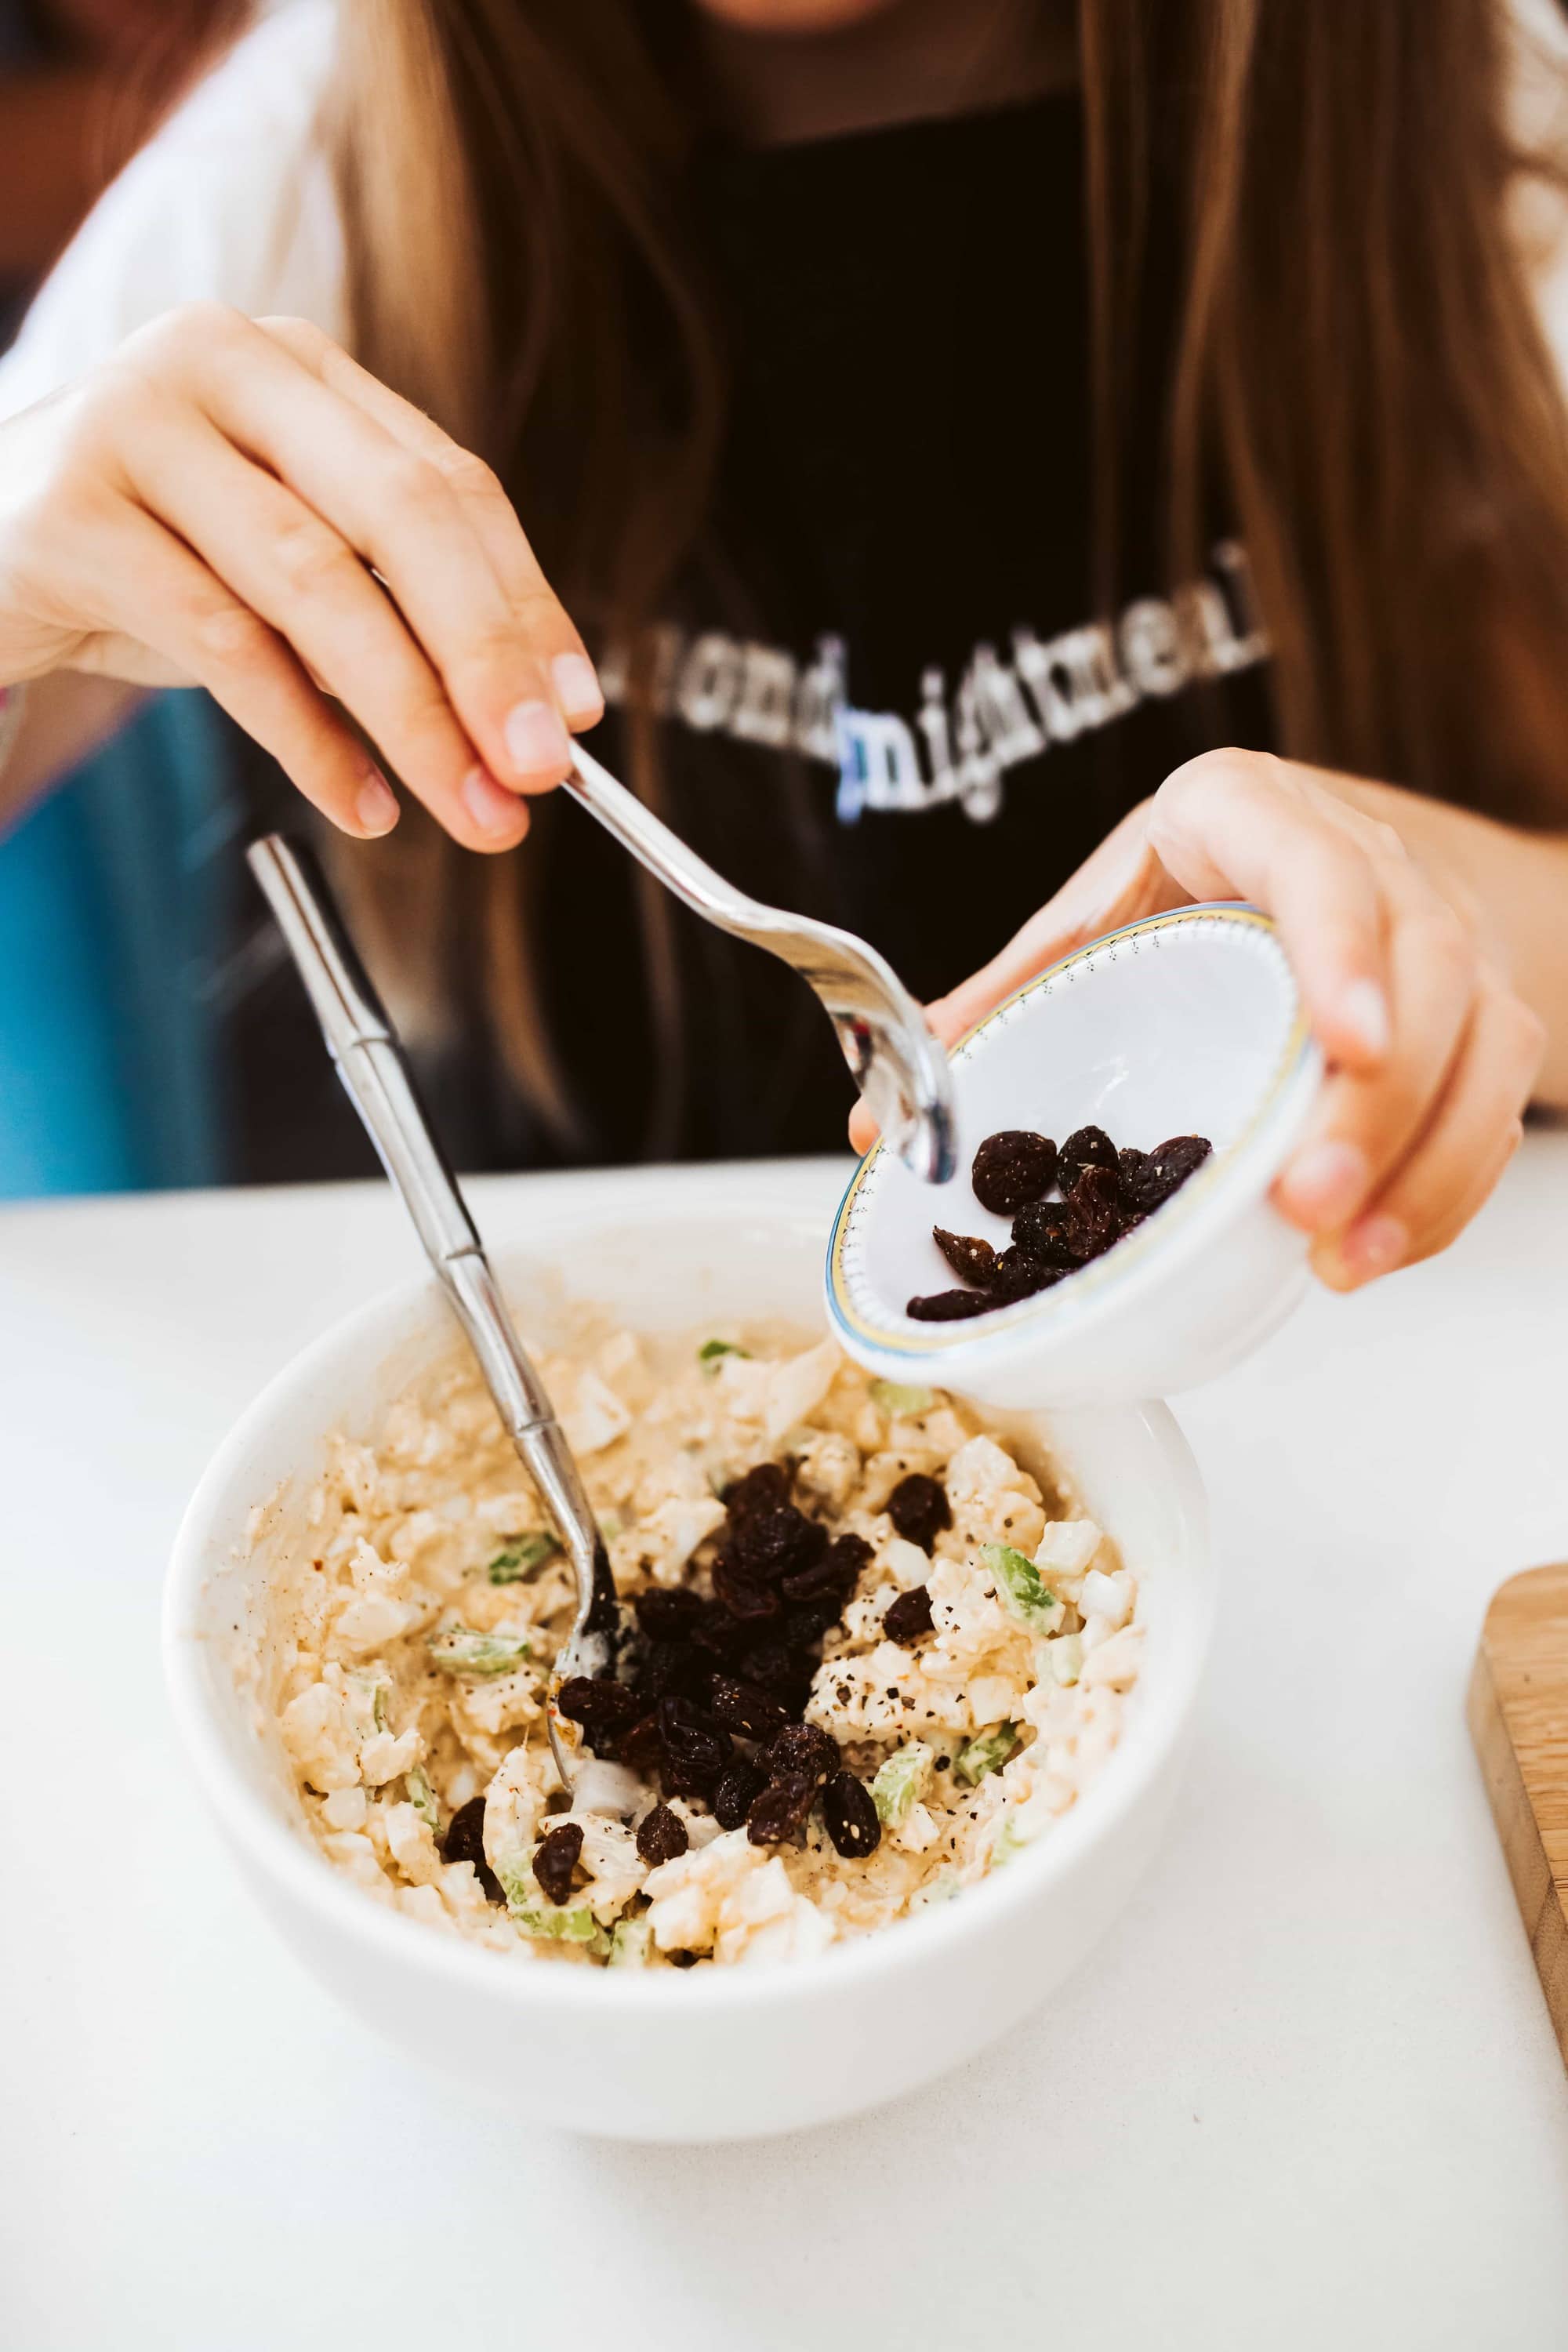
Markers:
point(1518, 1713)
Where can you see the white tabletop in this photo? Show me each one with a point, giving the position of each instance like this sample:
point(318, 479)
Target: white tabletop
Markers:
point(1305, 2096)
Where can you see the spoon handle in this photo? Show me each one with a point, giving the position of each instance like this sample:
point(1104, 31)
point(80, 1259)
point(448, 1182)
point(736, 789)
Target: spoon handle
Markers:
point(371, 1063)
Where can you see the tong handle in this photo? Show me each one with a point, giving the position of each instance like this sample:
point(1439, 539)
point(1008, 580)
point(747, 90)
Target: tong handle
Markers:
point(370, 1061)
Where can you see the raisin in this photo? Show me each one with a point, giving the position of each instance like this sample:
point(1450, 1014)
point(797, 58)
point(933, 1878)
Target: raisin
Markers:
point(781, 1808)
point(673, 1669)
point(465, 1841)
point(834, 1577)
point(683, 1960)
point(920, 1510)
point(1012, 1168)
point(780, 1542)
point(720, 1635)
point(1045, 1233)
point(909, 1616)
point(949, 1305)
point(778, 1668)
point(1085, 1147)
point(638, 1746)
point(555, 1858)
point(762, 1489)
point(735, 1794)
point(805, 1626)
point(746, 1708)
point(1136, 1174)
point(850, 1816)
point(692, 1747)
point(1179, 1157)
point(662, 1837)
point(746, 1601)
point(1021, 1276)
point(1096, 1205)
point(669, 1616)
point(971, 1259)
point(802, 1747)
point(602, 1708)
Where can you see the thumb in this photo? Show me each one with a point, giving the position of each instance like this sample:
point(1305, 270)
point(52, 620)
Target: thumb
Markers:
point(1120, 881)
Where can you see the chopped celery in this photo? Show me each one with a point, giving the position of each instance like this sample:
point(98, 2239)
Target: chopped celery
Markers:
point(1066, 1655)
point(460, 1650)
point(894, 1398)
point(422, 1797)
point(939, 1889)
point(710, 1350)
point(372, 1688)
point(631, 1943)
point(1008, 1840)
point(1022, 1591)
point(987, 1753)
point(522, 1555)
point(900, 1782)
point(563, 1922)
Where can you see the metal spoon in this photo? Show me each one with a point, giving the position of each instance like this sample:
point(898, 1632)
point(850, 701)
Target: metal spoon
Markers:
point(895, 1061)
point(370, 1061)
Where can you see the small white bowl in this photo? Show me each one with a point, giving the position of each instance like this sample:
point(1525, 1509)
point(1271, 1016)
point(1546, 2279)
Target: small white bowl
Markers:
point(715, 2053)
point(1186, 1023)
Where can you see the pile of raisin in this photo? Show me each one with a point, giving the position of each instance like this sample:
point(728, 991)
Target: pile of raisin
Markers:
point(1102, 1194)
point(709, 1703)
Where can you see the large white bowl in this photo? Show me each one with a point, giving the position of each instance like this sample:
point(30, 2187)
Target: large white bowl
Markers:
point(1187, 1023)
point(712, 2053)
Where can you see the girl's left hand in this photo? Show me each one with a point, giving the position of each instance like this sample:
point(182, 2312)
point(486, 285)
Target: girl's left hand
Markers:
point(1431, 1055)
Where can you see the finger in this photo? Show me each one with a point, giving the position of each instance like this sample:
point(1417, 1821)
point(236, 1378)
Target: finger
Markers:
point(492, 514)
point(1459, 1154)
point(1367, 1122)
point(1119, 882)
point(398, 511)
point(1241, 824)
point(193, 621)
point(280, 559)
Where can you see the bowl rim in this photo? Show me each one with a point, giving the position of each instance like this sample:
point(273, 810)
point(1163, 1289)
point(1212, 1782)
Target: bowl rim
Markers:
point(1067, 1307)
point(283, 1853)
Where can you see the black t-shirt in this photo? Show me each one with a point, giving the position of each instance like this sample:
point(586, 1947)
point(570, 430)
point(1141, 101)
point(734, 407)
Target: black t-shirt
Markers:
point(907, 717)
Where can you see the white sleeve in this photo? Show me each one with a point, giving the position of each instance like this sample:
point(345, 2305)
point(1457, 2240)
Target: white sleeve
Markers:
point(231, 201)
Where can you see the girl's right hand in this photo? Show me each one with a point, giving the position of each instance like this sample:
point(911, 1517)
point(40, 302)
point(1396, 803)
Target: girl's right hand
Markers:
point(207, 508)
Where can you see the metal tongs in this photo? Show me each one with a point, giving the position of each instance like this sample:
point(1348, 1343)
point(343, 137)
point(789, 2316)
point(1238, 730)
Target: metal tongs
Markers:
point(898, 1066)
point(370, 1061)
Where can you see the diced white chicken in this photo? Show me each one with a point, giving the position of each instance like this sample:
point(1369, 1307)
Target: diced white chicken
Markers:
point(615, 1869)
point(321, 1734)
point(514, 1802)
point(1114, 1663)
point(660, 1545)
point(1108, 1598)
point(828, 1467)
point(596, 1416)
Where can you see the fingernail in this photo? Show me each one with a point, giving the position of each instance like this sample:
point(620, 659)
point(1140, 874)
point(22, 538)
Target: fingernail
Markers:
point(536, 740)
point(577, 686)
point(1363, 1012)
point(376, 807)
point(492, 810)
point(1374, 1246)
point(1326, 1181)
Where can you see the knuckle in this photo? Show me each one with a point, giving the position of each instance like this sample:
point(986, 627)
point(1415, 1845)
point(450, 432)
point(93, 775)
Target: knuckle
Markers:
point(412, 484)
point(1438, 936)
point(300, 334)
point(468, 474)
point(231, 637)
point(188, 331)
point(311, 559)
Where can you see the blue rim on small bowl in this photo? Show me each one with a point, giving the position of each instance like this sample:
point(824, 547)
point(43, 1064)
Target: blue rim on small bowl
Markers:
point(1298, 1067)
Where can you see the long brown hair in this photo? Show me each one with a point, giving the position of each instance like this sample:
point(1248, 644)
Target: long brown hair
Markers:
point(1359, 381)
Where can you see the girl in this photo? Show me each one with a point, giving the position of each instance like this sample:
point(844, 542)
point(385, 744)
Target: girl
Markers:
point(1008, 468)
